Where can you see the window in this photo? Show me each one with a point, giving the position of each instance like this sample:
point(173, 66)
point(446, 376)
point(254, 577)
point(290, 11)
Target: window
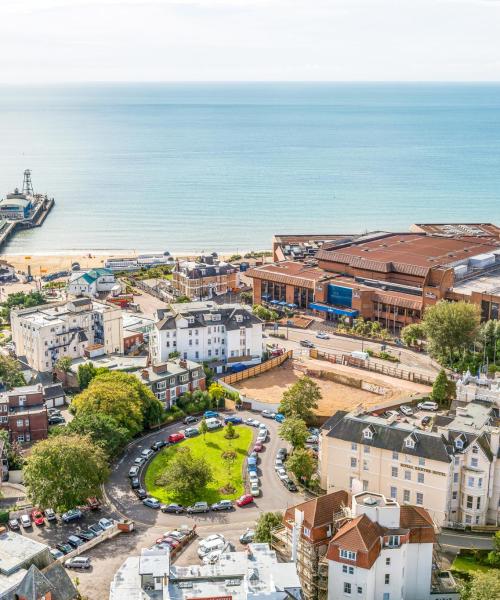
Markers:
point(406, 495)
point(470, 500)
point(478, 503)
point(348, 554)
point(365, 485)
point(420, 498)
point(408, 475)
point(307, 532)
point(480, 482)
point(475, 449)
point(394, 471)
point(365, 465)
point(20, 437)
point(386, 596)
point(410, 442)
point(459, 444)
point(392, 541)
point(421, 461)
point(473, 462)
point(354, 446)
point(161, 385)
point(454, 495)
point(387, 561)
point(394, 492)
point(455, 477)
point(420, 477)
point(395, 455)
point(347, 588)
point(367, 449)
point(367, 434)
point(468, 519)
point(354, 463)
point(22, 400)
point(470, 481)
point(346, 569)
point(457, 460)
point(387, 579)
point(19, 422)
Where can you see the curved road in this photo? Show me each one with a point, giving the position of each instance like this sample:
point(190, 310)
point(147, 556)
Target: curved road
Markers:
point(274, 495)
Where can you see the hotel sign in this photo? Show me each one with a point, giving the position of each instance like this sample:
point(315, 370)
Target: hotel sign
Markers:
point(406, 466)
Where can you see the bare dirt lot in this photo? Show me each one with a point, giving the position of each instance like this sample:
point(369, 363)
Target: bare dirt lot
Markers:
point(269, 387)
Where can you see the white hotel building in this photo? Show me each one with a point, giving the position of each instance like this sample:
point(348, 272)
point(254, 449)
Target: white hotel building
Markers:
point(206, 331)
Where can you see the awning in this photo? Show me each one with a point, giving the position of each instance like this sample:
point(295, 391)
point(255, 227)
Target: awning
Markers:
point(292, 305)
point(282, 303)
point(274, 302)
point(347, 312)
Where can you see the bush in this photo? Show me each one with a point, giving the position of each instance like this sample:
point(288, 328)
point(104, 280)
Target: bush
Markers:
point(4, 516)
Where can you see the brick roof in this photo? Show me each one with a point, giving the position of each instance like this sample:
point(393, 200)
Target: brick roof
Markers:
point(359, 535)
point(293, 273)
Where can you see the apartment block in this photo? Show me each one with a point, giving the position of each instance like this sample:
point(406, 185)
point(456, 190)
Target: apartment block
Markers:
point(44, 334)
point(204, 278)
point(23, 414)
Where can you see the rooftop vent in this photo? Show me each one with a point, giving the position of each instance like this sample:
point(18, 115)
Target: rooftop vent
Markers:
point(370, 501)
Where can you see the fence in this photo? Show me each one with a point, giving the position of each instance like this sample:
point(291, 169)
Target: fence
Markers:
point(368, 365)
point(258, 369)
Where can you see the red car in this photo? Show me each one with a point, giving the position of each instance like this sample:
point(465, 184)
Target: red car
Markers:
point(37, 517)
point(244, 500)
point(176, 437)
point(258, 447)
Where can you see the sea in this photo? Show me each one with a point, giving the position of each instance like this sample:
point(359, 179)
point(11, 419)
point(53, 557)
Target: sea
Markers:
point(199, 167)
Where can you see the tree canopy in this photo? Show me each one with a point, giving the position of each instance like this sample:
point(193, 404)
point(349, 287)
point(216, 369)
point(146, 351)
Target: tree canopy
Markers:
point(482, 586)
point(63, 471)
point(186, 474)
point(87, 372)
point(264, 313)
point(265, 524)
point(10, 372)
point(302, 464)
point(294, 431)
point(21, 300)
point(443, 390)
point(301, 399)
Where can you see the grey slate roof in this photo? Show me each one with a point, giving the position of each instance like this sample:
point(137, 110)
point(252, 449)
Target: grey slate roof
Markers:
point(346, 427)
point(35, 584)
point(228, 313)
point(53, 391)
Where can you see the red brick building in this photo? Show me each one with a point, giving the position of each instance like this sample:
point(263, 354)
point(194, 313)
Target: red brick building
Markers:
point(23, 414)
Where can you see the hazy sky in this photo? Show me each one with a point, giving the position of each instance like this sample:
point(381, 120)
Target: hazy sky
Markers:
point(226, 40)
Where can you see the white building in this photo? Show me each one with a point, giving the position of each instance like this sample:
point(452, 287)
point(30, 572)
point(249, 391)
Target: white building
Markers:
point(250, 575)
point(43, 334)
point(143, 261)
point(92, 283)
point(206, 331)
point(385, 552)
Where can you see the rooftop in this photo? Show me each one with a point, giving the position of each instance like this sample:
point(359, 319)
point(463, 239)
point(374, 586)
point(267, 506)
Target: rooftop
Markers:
point(454, 229)
point(15, 550)
point(303, 274)
point(114, 362)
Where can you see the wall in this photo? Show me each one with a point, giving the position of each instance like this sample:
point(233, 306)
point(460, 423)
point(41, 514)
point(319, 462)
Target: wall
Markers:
point(258, 369)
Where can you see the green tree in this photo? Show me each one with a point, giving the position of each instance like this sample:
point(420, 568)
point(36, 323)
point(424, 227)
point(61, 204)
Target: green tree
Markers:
point(10, 372)
point(187, 476)
point(265, 524)
point(302, 464)
point(246, 297)
point(230, 432)
point(294, 431)
point(62, 471)
point(103, 431)
point(21, 300)
point(64, 364)
point(440, 388)
point(12, 451)
point(264, 313)
point(217, 393)
point(203, 428)
point(412, 334)
point(450, 328)
point(301, 399)
point(482, 586)
point(229, 457)
point(87, 372)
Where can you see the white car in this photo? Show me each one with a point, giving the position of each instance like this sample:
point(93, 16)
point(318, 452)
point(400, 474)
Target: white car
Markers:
point(428, 405)
point(278, 464)
point(406, 410)
point(206, 549)
point(322, 335)
point(253, 477)
point(282, 474)
point(211, 538)
point(140, 460)
point(106, 523)
point(255, 423)
point(212, 557)
point(261, 438)
point(147, 453)
point(254, 489)
point(25, 521)
point(268, 414)
point(133, 471)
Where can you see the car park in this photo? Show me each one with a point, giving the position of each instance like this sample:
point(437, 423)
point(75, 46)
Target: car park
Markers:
point(198, 507)
point(190, 419)
point(147, 453)
point(64, 548)
point(50, 515)
point(158, 445)
point(406, 410)
point(244, 500)
point(233, 419)
point(174, 438)
point(151, 502)
point(133, 471)
point(14, 524)
point(222, 505)
point(247, 537)
point(72, 515)
point(306, 344)
point(210, 414)
point(77, 562)
point(191, 432)
point(105, 524)
point(75, 541)
point(141, 493)
point(25, 521)
point(254, 489)
point(135, 483)
point(37, 517)
point(428, 405)
point(176, 509)
point(139, 460)
point(56, 553)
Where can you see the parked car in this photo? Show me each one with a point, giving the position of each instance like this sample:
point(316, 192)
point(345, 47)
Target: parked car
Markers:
point(105, 524)
point(210, 414)
point(56, 553)
point(267, 414)
point(290, 486)
point(141, 493)
point(139, 460)
point(172, 508)
point(426, 420)
point(233, 419)
point(198, 507)
point(247, 537)
point(254, 455)
point(158, 445)
point(75, 541)
point(25, 521)
point(213, 423)
point(93, 503)
point(52, 412)
point(56, 420)
point(135, 483)
point(282, 474)
point(279, 418)
point(190, 419)
point(64, 548)
point(72, 515)
point(254, 489)
point(428, 405)
point(321, 335)
point(147, 453)
point(306, 344)
point(191, 432)
point(254, 423)
point(14, 524)
point(312, 439)
point(207, 548)
point(253, 477)
point(282, 453)
point(37, 517)
point(174, 438)
point(406, 410)
point(258, 447)
point(278, 464)
point(251, 467)
point(244, 500)
point(96, 528)
point(133, 471)
point(50, 515)
point(86, 534)
point(390, 414)
point(77, 562)
point(262, 437)
point(222, 505)
point(151, 502)
point(250, 422)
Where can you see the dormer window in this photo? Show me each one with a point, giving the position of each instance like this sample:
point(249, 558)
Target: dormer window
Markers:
point(216, 317)
point(347, 554)
point(475, 449)
point(190, 320)
point(410, 442)
point(368, 434)
point(459, 445)
point(238, 318)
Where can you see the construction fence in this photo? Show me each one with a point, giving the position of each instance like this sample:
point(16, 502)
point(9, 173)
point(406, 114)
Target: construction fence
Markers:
point(258, 369)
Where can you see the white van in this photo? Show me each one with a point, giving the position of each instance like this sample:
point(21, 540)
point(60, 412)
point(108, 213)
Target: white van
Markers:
point(211, 546)
point(213, 423)
point(360, 355)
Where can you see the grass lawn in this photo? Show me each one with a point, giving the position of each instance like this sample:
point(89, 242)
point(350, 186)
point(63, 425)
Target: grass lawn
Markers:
point(468, 564)
point(211, 449)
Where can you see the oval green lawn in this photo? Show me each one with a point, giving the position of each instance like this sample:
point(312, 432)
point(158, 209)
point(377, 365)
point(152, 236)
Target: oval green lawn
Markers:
point(211, 448)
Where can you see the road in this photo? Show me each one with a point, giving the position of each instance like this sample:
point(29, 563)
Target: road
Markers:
point(456, 539)
point(409, 360)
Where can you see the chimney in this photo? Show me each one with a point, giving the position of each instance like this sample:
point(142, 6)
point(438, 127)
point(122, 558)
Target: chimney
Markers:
point(183, 363)
point(145, 374)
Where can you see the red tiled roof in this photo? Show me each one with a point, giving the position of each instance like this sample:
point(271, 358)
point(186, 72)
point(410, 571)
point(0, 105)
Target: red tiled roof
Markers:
point(359, 535)
point(293, 273)
point(319, 511)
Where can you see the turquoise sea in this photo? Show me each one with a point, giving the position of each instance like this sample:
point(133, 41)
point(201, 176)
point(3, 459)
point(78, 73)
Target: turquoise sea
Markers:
point(192, 167)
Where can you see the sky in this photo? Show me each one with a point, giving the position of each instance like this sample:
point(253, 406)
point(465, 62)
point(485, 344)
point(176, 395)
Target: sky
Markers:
point(45, 41)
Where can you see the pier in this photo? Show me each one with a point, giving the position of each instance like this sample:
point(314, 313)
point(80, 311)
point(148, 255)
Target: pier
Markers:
point(37, 218)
